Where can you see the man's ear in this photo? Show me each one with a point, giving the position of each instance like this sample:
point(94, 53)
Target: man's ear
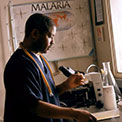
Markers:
point(35, 34)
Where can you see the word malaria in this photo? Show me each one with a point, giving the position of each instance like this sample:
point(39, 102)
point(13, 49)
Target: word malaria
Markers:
point(50, 6)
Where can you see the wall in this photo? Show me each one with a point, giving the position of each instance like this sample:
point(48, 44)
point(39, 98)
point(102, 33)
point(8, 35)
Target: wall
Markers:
point(105, 47)
point(4, 54)
point(6, 51)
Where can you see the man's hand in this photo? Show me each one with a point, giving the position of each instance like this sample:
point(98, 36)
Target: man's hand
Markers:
point(75, 80)
point(83, 116)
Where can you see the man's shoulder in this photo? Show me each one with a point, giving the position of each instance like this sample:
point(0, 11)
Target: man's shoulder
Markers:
point(19, 55)
point(18, 58)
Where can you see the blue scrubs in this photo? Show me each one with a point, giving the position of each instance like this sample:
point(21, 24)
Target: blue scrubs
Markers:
point(24, 87)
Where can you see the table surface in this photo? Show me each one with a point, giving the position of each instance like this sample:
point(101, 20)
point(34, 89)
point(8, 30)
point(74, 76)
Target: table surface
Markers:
point(104, 115)
point(110, 120)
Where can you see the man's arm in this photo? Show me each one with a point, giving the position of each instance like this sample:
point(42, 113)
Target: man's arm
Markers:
point(47, 110)
point(72, 82)
point(61, 88)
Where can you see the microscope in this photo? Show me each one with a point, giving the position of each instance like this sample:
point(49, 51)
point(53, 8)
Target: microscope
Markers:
point(83, 96)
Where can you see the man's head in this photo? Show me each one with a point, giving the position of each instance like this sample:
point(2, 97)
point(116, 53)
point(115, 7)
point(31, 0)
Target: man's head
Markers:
point(40, 31)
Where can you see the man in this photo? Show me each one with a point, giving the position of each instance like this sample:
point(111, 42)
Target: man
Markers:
point(31, 95)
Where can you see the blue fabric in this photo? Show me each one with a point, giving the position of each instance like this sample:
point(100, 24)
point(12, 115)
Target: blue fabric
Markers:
point(24, 87)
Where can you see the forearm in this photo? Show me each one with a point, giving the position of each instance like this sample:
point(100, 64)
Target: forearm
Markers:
point(47, 110)
point(73, 81)
point(61, 88)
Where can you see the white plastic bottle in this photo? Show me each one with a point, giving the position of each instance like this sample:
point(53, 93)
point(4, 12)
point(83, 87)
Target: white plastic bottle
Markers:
point(110, 80)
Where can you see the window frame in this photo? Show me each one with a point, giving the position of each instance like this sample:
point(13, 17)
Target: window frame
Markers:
point(111, 38)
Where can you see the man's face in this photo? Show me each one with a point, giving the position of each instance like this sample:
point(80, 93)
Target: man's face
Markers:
point(45, 41)
point(49, 39)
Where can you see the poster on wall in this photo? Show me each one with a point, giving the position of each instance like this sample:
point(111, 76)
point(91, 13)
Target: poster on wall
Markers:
point(72, 18)
point(99, 20)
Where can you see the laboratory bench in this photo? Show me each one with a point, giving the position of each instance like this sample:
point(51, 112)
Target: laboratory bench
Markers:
point(110, 120)
point(103, 115)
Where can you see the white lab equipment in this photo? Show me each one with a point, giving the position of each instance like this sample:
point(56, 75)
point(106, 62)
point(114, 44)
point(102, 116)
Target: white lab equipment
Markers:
point(110, 80)
point(120, 110)
point(109, 97)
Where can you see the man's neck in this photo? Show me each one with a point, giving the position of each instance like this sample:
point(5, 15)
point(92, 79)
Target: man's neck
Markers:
point(27, 45)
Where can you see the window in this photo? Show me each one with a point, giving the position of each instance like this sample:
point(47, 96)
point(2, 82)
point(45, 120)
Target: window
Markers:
point(116, 16)
point(114, 21)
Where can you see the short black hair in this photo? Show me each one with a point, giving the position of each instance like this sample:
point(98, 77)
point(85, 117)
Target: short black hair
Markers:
point(38, 21)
